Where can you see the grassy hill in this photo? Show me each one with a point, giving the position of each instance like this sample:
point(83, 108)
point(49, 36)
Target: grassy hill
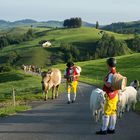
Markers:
point(21, 82)
point(94, 71)
point(124, 27)
point(14, 31)
point(28, 87)
point(17, 31)
point(28, 22)
point(31, 53)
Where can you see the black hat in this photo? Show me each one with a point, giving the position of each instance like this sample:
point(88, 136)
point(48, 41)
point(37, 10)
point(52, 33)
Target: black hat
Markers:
point(70, 64)
point(111, 62)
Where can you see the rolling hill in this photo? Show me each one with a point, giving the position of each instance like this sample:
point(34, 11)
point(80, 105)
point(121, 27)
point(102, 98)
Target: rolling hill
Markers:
point(31, 52)
point(28, 86)
point(124, 27)
point(94, 71)
point(29, 22)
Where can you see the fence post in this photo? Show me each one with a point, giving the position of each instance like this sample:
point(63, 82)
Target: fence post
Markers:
point(14, 97)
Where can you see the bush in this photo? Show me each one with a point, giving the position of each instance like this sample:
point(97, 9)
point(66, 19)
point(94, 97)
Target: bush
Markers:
point(42, 41)
point(136, 43)
point(3, 41)
point(13, 57)
point(108, 46)
point(71, 53)
point(5, 68)
point(6, 40)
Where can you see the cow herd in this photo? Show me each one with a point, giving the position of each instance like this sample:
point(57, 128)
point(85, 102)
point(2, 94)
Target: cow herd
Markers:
point(31, 68)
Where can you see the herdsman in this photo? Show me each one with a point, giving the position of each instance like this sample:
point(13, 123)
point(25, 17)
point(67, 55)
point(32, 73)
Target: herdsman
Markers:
point(109, 117)
point(71, 74)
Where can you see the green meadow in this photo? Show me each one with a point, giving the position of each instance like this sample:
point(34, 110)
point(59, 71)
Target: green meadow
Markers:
point(31, 52)
point(94, 71)
point(28, 87)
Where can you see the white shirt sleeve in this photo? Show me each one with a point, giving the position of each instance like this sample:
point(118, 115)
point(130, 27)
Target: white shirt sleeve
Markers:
point(77, 70)
point(110, 77)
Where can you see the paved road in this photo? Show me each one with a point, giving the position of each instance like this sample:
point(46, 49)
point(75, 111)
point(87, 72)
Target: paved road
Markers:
point(56, 120)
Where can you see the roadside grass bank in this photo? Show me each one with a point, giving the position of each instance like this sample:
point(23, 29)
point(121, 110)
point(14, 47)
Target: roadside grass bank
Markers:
point(27, 88)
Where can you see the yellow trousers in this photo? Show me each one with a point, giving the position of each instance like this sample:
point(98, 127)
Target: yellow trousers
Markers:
point(110, 106)
point(71, 85)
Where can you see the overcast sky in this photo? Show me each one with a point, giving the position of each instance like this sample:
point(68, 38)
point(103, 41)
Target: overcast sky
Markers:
point(104, 11)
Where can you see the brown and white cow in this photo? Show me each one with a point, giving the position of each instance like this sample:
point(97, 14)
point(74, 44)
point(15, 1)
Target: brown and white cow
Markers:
point(51, 79)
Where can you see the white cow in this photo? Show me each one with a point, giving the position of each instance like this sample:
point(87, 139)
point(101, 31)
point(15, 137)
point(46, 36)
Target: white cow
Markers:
point(97, 100)
point(24, 67)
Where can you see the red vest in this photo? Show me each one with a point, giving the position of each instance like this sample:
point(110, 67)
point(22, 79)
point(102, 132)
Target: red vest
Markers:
point(74, 73)
point(111, 93)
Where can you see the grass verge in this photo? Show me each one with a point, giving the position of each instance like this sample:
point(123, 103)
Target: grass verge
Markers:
point(6, 111)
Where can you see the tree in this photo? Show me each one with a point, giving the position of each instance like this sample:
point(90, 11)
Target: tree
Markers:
point(136, 43)
point(75, 53)
point(108, 46)
point(70, 52)
point(13, 57)
point(3, 41)
point(5, 67)
point(68, 57)
point(29, 33)
point(73, 23)
point(97, 25)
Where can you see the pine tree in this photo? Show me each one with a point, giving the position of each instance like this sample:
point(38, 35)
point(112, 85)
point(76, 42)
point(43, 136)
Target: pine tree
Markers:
point(97, 25)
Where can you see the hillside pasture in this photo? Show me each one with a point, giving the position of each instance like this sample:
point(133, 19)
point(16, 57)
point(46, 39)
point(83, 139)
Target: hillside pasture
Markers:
point(83, 38)
point(94, 71)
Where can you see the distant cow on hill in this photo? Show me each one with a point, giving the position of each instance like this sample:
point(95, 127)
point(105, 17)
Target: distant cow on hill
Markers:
point(24, 67)
point(51, 79)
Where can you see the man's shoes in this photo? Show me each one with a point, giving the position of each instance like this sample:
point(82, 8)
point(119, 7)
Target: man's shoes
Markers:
point(73, 101)
point(111, 131)
point(68, 102)
point(101, 132)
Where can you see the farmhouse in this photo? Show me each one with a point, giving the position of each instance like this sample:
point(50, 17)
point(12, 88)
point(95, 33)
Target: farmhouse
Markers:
point(46, 44)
